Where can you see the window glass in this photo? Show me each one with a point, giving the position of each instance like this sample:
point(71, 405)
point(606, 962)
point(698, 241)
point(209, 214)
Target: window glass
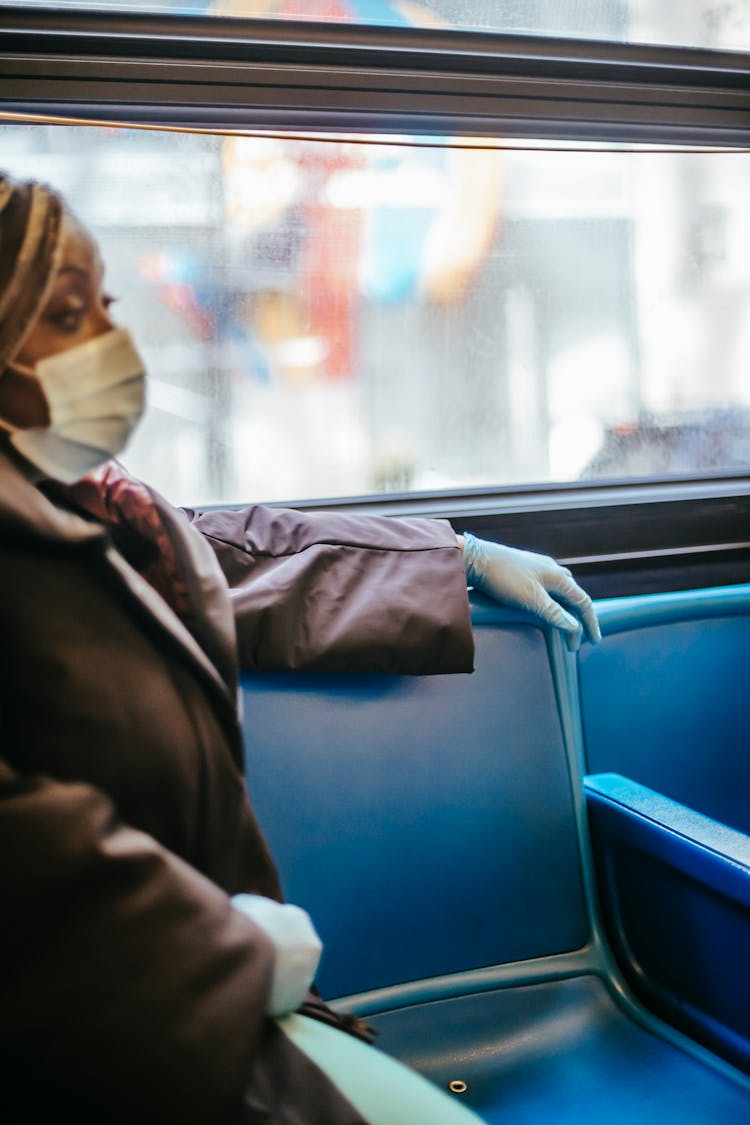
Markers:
point(328, 318)
point(723, 24)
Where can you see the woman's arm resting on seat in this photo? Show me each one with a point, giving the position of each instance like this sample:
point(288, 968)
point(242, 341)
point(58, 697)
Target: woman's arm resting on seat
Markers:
point(339, 592)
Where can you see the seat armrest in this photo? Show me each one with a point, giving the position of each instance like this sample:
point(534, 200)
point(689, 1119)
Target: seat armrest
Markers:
point(686, 839)
point(675, 895)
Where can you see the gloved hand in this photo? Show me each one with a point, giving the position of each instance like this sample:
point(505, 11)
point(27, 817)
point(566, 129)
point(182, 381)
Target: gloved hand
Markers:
point(532, 582)
point(298, 949)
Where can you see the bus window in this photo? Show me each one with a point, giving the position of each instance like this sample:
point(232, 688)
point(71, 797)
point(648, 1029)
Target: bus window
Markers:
point(336, 318)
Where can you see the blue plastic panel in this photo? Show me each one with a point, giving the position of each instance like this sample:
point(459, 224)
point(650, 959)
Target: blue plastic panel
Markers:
point(559, 1053)
point(675, 888)
point(426, 823)
point(664, 698)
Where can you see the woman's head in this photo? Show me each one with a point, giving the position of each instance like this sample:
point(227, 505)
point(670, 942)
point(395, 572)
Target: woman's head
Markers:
point(71, 385)
point(75, 307)
point(51, 295)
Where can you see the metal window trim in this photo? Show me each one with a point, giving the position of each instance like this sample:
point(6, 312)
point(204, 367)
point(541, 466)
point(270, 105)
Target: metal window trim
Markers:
point(273, 119)
point(345, 77)
point(549, 496)
point(305, 41)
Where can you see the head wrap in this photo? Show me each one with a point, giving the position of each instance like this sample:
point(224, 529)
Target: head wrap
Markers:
point(30, 248)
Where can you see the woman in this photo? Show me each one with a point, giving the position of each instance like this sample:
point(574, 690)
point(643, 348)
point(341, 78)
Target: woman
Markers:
point(151, 971)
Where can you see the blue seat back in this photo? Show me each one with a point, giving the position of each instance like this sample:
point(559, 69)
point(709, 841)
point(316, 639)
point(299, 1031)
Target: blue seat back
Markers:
point(664, 699)
point(427, 823)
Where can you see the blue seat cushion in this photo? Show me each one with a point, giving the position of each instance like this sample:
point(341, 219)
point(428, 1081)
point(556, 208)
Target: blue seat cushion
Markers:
point(561, 1052)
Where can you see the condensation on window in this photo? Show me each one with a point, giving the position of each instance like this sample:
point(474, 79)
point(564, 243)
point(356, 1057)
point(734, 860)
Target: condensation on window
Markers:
point(328, 318)
point(719, 24)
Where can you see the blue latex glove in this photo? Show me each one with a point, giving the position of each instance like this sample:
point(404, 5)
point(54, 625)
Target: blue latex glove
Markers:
point(297, 946)
point(535, 583)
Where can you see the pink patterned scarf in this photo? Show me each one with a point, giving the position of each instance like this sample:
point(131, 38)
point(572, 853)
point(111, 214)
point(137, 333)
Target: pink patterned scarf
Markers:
point(111, 495)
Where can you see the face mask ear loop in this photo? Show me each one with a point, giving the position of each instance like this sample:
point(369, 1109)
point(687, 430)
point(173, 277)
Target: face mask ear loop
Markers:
point(5, 427)
point(27, 372)
point(19, 368)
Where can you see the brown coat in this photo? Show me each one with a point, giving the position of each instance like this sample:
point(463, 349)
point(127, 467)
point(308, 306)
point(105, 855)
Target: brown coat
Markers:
point(131, 990)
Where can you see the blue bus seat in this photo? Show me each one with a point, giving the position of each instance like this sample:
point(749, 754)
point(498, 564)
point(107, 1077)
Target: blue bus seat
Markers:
point(664, 698)
point(676, 886)
point(398, 808)
point(435, 829)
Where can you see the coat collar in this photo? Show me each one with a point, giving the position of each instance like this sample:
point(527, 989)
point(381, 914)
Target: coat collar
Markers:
point(26, 512)
point(213, 616)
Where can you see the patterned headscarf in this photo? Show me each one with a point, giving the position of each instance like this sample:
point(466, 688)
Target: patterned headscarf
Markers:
point(30, 247)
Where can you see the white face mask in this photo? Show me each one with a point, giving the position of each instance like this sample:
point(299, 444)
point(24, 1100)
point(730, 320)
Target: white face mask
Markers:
point(96, 396)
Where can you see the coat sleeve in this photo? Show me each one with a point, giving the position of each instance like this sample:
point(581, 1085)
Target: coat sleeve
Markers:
point(128, 978)
point(338, 592)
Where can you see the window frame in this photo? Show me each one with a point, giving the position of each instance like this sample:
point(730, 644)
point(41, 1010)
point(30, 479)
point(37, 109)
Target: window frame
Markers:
point(289, 74)
point(620, 537)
